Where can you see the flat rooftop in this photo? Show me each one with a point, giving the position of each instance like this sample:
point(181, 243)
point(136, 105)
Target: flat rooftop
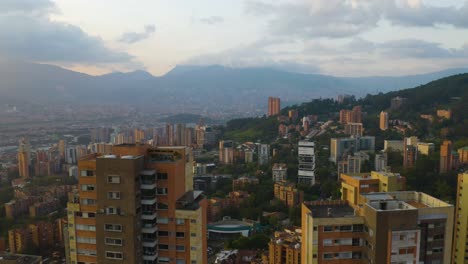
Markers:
point(330, 209)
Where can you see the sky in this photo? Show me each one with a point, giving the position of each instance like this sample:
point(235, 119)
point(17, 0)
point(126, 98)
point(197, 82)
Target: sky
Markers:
point(335, 37)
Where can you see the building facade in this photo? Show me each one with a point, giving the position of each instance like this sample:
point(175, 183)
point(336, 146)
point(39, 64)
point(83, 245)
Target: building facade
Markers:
point(279, 172)
point(145, 210)
point(288, 193)
point(460, 237)
point(306, 173)
point(274, 106)
point(383, 121)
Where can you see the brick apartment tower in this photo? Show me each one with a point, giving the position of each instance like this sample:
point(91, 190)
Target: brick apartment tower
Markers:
point(24, 158)
point(137, 206)
point(274, 106)
point(446, 156)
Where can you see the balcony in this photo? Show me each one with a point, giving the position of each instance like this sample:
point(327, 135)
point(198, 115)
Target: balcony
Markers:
point(149, 228)
point(148, 185)
point(150, 242)
point(149, 255)
point(148, 199)
point(149, 215)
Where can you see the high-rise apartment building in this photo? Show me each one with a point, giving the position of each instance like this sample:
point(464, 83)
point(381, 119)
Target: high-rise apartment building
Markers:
point(169, 135)
point(139, 136)
point(226, 151)
point(144, 212)
point(425, 148)
point(396, 227)
point(288, 193)
point(180, 135)
point(353, 185)
point(380, 163)
point(340, 148)
point(285, 247)
point(351, 116)
point(394, 145)
point(263, 154)
point(354, 129)
point(410, 151)
point(460, 237)
point(274, 106)
point(62, 149)
point(279, 172)
point(383, 120)
point(24, 158)
point(463, 155)
point(306, 173)
point(446, 156)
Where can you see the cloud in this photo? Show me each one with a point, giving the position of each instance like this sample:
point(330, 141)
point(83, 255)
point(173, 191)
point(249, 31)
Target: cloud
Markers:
point(212, 20)
point(36, 7)
point(27, 33)
point(341, 19)
point(132, 37)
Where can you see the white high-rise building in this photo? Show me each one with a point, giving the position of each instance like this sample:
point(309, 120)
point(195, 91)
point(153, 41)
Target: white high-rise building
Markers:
point(306, 174)
point(263, 154)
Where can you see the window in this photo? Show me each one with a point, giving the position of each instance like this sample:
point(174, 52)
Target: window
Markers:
point(327, 242)
point(193, 248)
point(113, 179)
point(86, 252)
point(86, 227)
point(86, 240)
point(162, 220)
point(180, 261)
point(161, 191)
point(113, 241)
point(437, 250)
point(439, 237)
point(193, 221)
point(161, 176)
point(87, 187)
point(346, 228)
point(163, 206)
point(193, 234)
point(163, 260)
point(180, 234)
point(113, 227)
point(179, 221)
point(163, 233)
point(112, 210)
point(113, 195)
point(327, 256)
point(327, 228)
point(88, 201)
point(180, 248)
point(114, 255)
point(163, 247)
point(87, 173)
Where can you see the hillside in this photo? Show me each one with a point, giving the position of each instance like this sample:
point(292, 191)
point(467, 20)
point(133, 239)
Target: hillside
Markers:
point(206, 88)
point(446, 93)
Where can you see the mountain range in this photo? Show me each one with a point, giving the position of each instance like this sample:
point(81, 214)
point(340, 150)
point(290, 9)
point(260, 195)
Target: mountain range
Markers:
point(209, 87)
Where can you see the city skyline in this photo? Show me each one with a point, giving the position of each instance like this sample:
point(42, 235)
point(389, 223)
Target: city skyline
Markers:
point(297, 35)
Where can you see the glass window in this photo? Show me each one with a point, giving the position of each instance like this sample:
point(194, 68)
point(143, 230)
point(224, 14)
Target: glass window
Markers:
point(113, 179)
point(114, 255)
point(113, 227)
point(113, 195)
point(163, 247)
point(161, 176)
point(113, 241)
point(180, 234)
point(87, 187)
point(180, 221)
point(180, 248)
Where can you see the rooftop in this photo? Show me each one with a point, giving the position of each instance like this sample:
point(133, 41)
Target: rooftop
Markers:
point(330, 209)
point(190, 200)
point(20, 259)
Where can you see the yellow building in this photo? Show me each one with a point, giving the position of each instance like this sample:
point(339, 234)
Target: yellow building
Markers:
point(387, 227)
point(442, 113)
point(19, 240)
point(463, 155)
point(383, 120)
point(460, 254)
point(288, 193)
point(285, 247)
point(425, 148)
point(353, 185)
